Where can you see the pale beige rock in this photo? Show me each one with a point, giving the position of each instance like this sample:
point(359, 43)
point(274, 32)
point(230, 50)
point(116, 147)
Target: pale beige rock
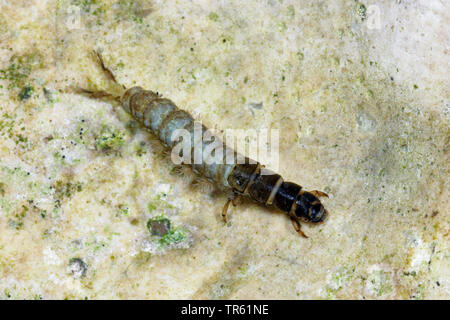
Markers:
point(359, 94)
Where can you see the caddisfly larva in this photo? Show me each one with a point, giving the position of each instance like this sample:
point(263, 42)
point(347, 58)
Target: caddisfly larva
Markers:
point(162, 117)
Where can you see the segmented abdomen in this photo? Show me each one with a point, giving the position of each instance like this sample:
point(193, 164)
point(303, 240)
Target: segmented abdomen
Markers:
point(163, 117)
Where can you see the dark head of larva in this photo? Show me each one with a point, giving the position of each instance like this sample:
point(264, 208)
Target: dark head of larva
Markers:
point(297, 203)
point(309, 207)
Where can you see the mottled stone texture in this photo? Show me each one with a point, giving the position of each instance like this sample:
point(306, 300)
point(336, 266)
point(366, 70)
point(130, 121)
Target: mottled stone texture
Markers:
point(359, 92)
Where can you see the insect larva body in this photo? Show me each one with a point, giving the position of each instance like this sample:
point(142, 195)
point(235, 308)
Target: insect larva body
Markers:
point(162, 117)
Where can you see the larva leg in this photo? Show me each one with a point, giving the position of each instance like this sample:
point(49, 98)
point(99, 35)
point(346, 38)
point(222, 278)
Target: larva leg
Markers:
point(225, 210)
point(115, 90)
point(318, 193)
point(95, 94)
point(234, 200)
point(298, 227)
point(107, 72)
point(237, 199)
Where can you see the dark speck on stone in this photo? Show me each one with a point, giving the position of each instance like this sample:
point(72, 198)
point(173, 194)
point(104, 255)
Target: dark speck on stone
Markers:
point(253, 106)
point(47, 94)
point(26, 93)
point(159, 227)
point(258, 106)
point(78, 267)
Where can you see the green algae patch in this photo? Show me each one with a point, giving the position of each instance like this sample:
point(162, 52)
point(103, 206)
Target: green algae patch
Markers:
point(163, 233)
point(110, 139)
point(124, 209)
point(361, 10)
point(19, 70)
point(128, 10)
point(158, 202)
point(213, 16)
point(64, 189)
point(26, 93)
point(172, 237)
point(379, 283)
